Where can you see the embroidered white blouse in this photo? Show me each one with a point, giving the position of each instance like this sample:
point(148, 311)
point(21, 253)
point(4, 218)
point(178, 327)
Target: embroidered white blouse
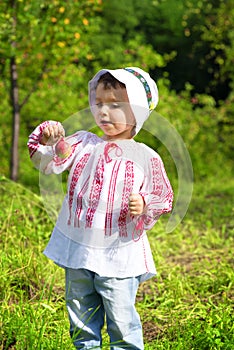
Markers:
point(94, 229)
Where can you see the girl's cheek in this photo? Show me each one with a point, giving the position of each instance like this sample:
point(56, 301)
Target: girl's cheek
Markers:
point(96, 118)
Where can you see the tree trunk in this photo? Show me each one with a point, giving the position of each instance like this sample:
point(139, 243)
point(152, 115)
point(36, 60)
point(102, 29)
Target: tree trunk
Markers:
point(14, 164)
point(14, 95)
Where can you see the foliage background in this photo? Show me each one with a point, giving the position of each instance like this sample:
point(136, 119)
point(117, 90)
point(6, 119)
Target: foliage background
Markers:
point(188, 48)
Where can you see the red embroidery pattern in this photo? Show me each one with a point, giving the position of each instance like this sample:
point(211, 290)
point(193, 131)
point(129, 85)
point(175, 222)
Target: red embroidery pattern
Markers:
point(166, 192)
point(107, 150)
point(156, 177)
point(138, 229)
point(95, 192)
point(33, 144)
point(76, 174)
point(162, 202)
point(145, 256)
point(128, 185)
point(43, 125)
point(79, 202)
point(110, 199)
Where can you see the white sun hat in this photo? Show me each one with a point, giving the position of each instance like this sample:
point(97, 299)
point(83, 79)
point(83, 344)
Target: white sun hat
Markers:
point(141, 90)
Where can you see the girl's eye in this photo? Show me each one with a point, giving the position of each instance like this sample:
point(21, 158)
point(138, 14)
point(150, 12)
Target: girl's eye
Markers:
point(115, 105)
point(99, 105)
point(110, 105)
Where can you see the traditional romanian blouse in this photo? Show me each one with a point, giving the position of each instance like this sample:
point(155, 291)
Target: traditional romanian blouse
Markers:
point(95, 229)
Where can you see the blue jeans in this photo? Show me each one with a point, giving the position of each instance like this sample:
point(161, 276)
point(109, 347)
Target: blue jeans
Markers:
point(89, 298)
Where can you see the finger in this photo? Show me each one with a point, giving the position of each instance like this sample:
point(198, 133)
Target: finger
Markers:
point(131, 202)
point(55, 133)
point(51, 132)
point(46, 132)
point(132, 198)
point(58, 132)
point(61, 130)
point(133, 207)
point(134, 203)
point(134, 212)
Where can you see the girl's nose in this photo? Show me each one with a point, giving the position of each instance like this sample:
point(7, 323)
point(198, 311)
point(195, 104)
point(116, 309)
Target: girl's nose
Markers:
point(103, 110)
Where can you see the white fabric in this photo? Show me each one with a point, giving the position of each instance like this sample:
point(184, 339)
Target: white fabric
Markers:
point(94, 229)
point(130, 260)
point(135, 91)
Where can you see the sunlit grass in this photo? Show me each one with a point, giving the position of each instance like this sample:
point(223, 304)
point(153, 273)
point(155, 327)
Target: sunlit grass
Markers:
point(189, 305)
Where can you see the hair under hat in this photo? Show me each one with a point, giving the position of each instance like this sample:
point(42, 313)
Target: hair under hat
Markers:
point(141, 90)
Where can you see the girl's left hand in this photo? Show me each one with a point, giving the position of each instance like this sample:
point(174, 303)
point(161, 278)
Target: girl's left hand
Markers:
point(136, 204)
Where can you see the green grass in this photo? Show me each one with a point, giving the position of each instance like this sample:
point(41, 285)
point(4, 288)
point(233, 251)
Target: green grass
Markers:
point(189, 305)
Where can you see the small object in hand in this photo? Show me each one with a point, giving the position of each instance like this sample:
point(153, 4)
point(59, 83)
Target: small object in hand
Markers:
point(63, 149)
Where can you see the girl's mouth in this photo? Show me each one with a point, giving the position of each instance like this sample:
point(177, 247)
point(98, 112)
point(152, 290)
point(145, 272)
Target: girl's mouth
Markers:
point(105, 122)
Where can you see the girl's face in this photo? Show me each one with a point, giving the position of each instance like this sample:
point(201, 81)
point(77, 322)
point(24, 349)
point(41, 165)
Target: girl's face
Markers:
point(113, 113)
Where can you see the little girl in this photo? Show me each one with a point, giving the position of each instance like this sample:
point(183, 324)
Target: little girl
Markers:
point(117, 189)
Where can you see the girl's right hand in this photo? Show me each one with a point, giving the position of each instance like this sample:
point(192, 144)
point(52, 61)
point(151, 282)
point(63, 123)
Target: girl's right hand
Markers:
point(51, 134)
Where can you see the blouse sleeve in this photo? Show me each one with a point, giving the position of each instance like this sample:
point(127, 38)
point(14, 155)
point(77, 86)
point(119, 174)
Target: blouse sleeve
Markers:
point(44, 157)
point(156, 192)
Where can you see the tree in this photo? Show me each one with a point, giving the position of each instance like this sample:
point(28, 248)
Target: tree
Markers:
point(197, 36)
point(209, 27)
point(120, 41)
point(39, 38)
